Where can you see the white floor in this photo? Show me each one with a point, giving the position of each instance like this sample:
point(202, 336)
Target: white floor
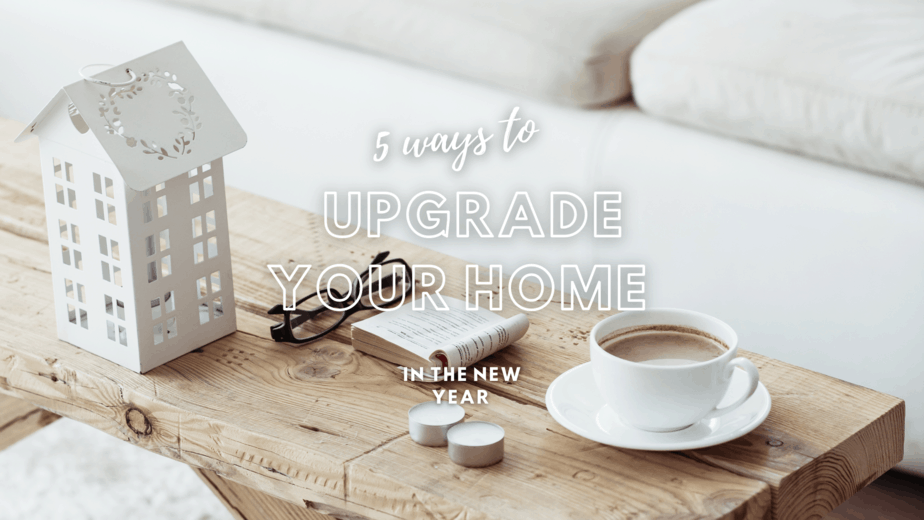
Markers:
point(70, 470)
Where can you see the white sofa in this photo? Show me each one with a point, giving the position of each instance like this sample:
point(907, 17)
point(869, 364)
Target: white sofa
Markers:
point(815, 264)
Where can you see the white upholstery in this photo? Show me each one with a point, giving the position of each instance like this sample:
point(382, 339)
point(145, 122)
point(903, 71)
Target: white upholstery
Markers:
point(842, 80)
point(574, 53)
point(815, 264)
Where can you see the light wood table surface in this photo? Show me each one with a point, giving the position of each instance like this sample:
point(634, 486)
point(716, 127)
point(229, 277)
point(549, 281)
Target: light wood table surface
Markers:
point(281, 431)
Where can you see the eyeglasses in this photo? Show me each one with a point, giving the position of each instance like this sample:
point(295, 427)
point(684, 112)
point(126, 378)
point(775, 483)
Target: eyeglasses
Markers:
point(319, 313)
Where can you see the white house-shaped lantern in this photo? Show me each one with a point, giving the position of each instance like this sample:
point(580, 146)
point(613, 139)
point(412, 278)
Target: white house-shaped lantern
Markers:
point(135, 202)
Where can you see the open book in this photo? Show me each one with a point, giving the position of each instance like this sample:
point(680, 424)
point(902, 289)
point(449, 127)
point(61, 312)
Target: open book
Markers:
point(455, 337)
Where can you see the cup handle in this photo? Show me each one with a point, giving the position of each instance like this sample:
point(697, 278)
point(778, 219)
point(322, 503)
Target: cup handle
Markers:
point(753, 379)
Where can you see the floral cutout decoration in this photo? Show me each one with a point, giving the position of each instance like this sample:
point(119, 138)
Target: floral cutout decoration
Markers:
point(188, 119)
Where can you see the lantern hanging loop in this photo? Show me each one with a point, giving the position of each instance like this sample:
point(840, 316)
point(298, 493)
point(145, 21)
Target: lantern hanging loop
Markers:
point(84, 75)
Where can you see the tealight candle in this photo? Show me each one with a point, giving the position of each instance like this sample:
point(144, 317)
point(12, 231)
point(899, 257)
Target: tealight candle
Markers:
point(429, 422)
point(476, 444)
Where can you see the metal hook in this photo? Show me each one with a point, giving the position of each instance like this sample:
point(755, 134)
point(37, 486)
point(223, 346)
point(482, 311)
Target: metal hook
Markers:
point(128, 71)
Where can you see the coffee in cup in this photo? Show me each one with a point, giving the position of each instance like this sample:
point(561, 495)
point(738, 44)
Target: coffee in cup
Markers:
point(663, 370)
point(667, 345)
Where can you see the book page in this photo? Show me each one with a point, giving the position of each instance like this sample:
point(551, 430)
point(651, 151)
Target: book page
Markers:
point(425, 331)
point(481, 344)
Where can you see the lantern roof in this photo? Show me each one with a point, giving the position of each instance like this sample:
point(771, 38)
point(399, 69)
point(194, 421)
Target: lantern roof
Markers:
point(156, 117)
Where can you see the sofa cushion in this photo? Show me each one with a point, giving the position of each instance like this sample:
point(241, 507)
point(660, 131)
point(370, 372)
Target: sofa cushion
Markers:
point(841, 80)
point(574, 53)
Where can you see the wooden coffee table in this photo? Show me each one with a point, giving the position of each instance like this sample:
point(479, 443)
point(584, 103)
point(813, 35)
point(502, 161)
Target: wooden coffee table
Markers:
point(279, 431)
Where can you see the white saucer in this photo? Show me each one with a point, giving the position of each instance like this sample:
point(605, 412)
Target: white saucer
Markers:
point(573, 400)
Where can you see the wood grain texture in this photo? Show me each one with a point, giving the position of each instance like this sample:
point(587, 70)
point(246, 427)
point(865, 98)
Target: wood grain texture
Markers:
point(326, 424)
point(831, 458)
point(299, 423)
point(245, 503)
point(19, 419)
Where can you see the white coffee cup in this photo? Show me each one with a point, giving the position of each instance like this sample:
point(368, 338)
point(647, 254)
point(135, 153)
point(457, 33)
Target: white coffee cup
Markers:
point(663, 398)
